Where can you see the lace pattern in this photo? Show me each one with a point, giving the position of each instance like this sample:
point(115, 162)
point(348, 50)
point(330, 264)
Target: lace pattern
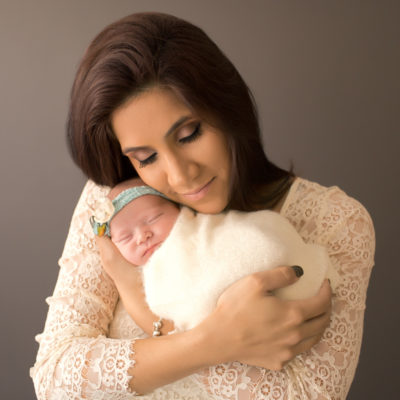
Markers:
point(75, 359)
point(330, 218)
point(86, 348)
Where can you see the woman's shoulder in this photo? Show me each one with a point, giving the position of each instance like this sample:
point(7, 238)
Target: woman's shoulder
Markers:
point(318, 211)
point(80, 230)
point(91, 193)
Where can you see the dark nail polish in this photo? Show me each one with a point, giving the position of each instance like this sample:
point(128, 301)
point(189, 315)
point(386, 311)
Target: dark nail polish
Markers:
point(298, 270)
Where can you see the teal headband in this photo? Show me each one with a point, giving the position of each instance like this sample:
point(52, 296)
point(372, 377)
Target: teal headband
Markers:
point(107, 211)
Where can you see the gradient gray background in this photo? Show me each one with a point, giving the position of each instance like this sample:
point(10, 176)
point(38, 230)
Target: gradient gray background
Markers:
point(326, 79)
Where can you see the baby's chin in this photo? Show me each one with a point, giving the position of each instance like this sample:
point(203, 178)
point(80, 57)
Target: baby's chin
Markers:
point(134, 259)
point(135, 262)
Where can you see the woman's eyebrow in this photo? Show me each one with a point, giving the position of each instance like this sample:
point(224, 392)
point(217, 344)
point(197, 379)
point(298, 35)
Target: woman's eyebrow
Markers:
point(173, 128)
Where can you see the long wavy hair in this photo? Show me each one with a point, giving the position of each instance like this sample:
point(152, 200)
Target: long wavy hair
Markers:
point(144, 50)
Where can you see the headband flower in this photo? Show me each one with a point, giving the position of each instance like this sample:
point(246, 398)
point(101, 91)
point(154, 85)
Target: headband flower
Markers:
point(103, 212)
point(105, 209)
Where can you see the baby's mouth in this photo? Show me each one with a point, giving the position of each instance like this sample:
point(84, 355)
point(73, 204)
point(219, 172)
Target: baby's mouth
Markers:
point(150, 250)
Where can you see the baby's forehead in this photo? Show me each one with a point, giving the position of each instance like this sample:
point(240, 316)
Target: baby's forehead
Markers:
point(149, 201)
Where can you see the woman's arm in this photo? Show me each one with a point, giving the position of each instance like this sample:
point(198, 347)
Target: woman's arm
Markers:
point(75, 357)
point(327, 370)
point(128, 280)
point(273, 333)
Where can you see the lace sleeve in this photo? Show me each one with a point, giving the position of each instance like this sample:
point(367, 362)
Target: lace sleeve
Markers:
point(75, 359)
point(327, 370)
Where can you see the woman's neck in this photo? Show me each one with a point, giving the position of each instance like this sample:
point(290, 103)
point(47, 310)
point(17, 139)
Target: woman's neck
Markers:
point(281, 189)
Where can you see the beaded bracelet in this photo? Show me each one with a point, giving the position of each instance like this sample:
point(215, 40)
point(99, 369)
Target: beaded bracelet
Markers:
point(157, 327)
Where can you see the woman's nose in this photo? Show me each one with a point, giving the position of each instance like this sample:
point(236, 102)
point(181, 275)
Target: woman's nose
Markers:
point(180, 172)
point(142, 235)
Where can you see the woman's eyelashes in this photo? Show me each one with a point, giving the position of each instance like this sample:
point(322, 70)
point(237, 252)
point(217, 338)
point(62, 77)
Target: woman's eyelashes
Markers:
point(194, 133)
point(148, 160)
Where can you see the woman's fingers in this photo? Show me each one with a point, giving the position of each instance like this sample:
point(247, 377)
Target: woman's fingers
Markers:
point(315, 326)
point(316, 305)
point(107, 249)
point(306, 344)
point(112, 260)
point(282, 329)
point(290, 343)
point(277, 278)
point(309, 332)
point(127, 278)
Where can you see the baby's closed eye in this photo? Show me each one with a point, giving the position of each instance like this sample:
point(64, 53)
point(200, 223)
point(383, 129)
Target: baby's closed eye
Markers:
point(154, 218)
point(123, 239)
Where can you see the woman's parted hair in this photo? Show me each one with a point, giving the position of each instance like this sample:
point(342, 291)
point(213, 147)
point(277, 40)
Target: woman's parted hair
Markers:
point(152, 49)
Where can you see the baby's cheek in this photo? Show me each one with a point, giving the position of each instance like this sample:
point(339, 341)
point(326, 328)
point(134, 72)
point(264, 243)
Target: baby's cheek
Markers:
point(123, 250)
point(132, 256)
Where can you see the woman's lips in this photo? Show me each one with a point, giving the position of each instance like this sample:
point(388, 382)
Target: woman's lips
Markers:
point(198, 194)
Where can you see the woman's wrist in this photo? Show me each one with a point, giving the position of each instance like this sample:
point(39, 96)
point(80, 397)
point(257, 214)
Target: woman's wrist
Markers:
point(166, 359)
point(210, 336)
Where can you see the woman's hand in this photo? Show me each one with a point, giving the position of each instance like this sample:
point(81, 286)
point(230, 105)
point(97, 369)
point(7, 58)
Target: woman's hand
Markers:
point(116, 266)
point(254, 327)
point(249, 324)
point(128, 280)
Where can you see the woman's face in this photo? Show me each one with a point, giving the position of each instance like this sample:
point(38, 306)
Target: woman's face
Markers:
point(174, 151)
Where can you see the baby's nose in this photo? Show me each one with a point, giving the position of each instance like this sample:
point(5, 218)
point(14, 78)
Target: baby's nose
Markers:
point(143, 236)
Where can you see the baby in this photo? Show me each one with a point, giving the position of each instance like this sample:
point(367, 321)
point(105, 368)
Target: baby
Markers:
point(188, 259)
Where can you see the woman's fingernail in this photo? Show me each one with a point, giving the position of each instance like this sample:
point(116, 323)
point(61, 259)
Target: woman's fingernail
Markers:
point(298, 270)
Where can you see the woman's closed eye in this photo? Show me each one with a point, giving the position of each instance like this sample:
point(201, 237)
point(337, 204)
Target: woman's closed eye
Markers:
point(148, 160)
point(186, 134)
point(192, 133)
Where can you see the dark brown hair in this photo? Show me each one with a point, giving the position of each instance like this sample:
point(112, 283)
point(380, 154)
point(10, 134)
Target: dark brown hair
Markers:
point(153, 49)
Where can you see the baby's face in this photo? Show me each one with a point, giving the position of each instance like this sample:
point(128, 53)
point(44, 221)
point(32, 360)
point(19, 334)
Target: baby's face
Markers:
point(141, 226)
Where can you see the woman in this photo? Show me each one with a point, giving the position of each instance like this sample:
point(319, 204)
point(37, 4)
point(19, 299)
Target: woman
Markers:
point(155, 97)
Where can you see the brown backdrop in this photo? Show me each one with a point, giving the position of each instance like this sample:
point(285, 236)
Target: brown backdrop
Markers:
point(326, 79)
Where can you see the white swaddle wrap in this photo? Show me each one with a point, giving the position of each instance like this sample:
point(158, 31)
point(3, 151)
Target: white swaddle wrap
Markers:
point(204, 254)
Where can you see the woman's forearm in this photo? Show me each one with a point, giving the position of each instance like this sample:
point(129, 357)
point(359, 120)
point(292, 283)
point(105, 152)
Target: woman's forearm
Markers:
point(131, 293)
point(248, 325)
point(224, 337)
point(327, 369)
point(166, 359)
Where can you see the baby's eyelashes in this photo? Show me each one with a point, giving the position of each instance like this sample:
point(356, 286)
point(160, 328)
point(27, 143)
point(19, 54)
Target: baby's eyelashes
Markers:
point(155, 218)
point(122, 239)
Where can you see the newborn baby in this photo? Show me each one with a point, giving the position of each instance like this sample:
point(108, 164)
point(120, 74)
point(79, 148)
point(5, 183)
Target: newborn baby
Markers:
point(188, 259)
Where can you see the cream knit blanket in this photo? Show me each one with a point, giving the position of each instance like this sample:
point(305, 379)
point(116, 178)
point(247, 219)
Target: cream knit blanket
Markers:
point(204, 254)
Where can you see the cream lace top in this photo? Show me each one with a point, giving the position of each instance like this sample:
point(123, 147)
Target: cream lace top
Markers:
point(86, 347)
